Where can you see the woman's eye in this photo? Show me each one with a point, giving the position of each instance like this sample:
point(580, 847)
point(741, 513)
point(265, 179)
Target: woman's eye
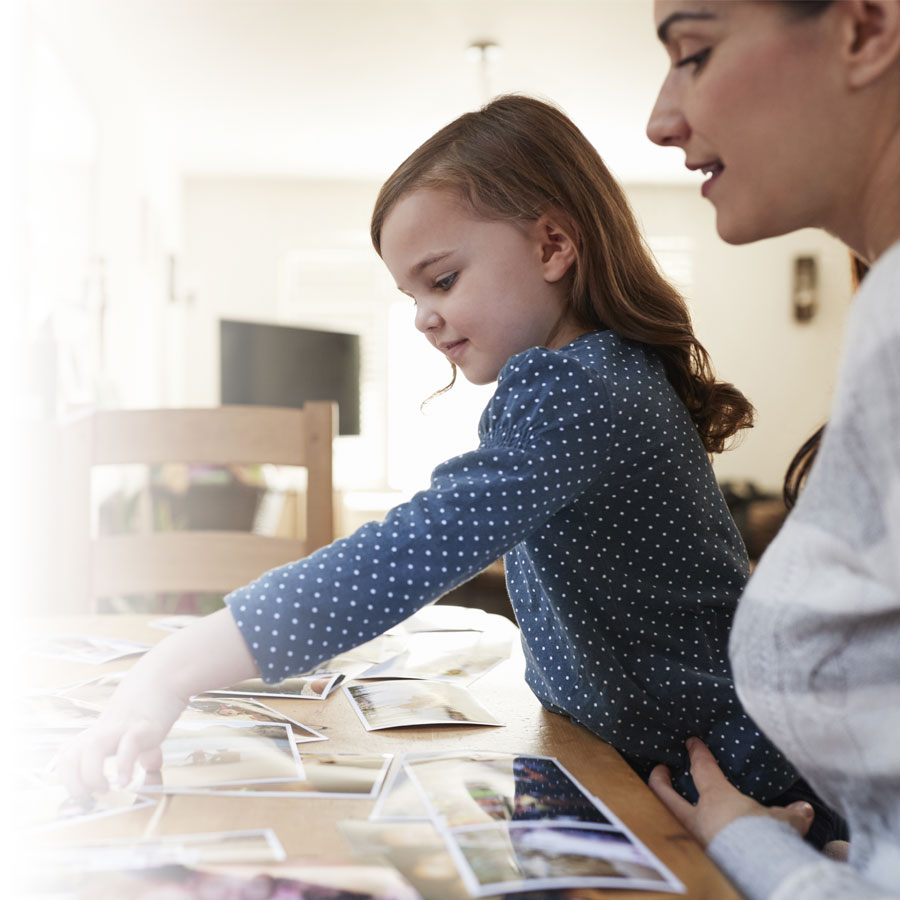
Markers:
point(697, 60)
point(445, 283)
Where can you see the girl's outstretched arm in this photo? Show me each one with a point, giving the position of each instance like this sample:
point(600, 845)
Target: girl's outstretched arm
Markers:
point(208, 654)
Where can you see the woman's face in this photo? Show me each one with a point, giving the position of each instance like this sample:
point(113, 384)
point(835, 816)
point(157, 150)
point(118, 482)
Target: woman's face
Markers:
point(750, 99)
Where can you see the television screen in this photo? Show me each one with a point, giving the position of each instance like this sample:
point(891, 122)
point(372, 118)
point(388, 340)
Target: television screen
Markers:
point(278, 365)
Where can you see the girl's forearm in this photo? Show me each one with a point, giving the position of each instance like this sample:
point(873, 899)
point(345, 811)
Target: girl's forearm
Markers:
point(209, 654)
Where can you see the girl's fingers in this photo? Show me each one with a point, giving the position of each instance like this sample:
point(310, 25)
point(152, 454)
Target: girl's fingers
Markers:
point(135, 741)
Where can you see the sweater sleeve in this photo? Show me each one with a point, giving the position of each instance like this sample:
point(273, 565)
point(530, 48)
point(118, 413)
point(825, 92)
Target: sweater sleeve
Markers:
point(539, 448)
point(792, 869)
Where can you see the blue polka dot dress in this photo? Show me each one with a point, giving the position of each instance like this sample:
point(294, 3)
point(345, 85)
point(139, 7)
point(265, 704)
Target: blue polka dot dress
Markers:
point(623, 563)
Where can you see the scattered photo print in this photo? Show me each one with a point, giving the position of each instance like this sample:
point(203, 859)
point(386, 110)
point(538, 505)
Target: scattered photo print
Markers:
point(281, 882)
point(417, 850)
point(244, 709)
point(57, 712)
point(480, 788)
point(393, 704)
point(95, 691)
point(519, 856)
point(175, 623)
point(210, 755)
point(343, 775)
point(86, 648)
point(121, 854)
point(302, 687)
point(456, 656)
point(443, 617)
point(40, 804)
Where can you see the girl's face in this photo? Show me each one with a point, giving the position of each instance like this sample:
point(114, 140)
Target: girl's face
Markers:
point(751, 100)
point(483, 290)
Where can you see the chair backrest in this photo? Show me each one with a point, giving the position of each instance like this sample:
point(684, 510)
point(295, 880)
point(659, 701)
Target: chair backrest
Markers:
point(187, 561)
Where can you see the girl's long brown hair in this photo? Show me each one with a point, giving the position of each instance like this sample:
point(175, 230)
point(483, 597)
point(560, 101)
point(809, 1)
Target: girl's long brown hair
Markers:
point(518, 158)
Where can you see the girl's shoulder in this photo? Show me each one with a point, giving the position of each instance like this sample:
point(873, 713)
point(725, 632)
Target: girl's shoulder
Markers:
point(602, 355)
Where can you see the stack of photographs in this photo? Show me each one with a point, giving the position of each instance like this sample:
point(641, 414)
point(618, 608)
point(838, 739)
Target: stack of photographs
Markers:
point(520, 823)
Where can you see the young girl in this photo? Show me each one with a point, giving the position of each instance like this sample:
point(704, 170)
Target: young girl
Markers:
point(592, 474)
point(793, 108)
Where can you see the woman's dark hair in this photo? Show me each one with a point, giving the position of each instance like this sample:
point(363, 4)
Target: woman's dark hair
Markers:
point(519, 158)
point(800, 465)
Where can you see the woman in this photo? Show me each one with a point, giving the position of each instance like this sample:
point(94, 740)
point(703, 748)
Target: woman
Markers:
point(793, 111)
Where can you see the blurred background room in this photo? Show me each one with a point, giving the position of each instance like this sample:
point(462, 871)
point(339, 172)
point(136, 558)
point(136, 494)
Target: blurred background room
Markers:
point(190, 184)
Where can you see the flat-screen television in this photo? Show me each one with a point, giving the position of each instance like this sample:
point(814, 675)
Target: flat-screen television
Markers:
point(279, 365)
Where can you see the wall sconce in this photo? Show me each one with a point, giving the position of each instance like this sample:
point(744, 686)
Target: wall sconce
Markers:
point(805, 292)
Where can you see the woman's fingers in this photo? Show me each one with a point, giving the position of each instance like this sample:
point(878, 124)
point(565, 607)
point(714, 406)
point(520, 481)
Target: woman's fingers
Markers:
point(660, 782)
point(704, 768)
point(798, 815)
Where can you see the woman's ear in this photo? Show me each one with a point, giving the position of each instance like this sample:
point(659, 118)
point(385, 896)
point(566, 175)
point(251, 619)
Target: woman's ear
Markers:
point(556, 237)
point(871, 39)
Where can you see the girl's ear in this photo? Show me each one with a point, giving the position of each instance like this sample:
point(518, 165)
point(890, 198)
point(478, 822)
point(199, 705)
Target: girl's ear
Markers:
point(871, 39)
point(556, 236)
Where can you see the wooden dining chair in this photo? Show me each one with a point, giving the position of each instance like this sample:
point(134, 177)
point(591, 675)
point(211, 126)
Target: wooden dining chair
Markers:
point(208, 561)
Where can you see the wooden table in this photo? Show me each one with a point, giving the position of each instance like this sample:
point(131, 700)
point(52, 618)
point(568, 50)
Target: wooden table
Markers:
point(308, 827)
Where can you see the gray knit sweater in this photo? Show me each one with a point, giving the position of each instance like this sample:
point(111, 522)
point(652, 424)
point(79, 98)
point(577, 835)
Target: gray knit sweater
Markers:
point(816, 640)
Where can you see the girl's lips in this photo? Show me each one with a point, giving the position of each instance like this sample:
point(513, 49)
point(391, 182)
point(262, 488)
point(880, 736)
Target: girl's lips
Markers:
point(454, 349)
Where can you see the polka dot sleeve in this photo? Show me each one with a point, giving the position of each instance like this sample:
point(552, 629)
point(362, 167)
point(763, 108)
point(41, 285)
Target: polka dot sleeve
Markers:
point(541, 443)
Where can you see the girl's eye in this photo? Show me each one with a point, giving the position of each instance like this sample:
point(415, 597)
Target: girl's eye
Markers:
point(445, 283)
point(697, 60)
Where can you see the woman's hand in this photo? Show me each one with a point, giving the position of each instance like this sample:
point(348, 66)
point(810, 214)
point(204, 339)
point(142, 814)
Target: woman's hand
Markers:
point(720, 803)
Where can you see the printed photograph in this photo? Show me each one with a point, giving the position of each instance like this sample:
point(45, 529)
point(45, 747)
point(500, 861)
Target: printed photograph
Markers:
point(215, 709)
point(480, 788)
point(515, 857)
point(211, 848)
point(302, 687)
point(41, 804)
point(54, 711)
point(443, 617)
point(207, 756)
point(459, 657)
point(394, 704)
point(86, 648)
point(174, 623)
point(177, 882)
point(346, 775)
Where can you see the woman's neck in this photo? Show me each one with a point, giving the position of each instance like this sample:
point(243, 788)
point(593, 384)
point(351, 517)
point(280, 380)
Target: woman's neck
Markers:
point(872, 224)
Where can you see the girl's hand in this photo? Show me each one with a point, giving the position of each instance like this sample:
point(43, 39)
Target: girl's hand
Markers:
point(131, 729)
point(720, 802)
point(208, 654)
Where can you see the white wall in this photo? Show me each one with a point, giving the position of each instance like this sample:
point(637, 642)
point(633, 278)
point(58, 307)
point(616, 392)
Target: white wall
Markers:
point(741, 304)
point(298, 252)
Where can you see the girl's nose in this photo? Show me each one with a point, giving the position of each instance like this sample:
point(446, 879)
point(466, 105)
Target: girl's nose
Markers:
point(427, 317)
point(667, 125)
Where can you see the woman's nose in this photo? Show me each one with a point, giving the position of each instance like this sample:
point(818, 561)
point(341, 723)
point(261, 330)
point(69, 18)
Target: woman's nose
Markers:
point(667, 125)
point(427, 317)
